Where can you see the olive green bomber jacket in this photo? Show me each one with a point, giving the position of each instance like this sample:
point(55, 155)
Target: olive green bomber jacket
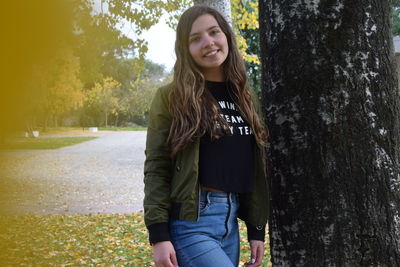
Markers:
point(172, 186)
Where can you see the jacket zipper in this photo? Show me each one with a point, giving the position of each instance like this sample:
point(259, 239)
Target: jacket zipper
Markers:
point(198, 203)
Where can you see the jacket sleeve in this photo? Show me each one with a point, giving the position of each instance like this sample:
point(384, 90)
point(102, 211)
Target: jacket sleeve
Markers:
point(157, 169)
point(254, 204)
point(255, 233)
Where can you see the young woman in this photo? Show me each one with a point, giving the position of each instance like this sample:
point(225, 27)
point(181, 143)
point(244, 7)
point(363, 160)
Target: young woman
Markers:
point(205, 162)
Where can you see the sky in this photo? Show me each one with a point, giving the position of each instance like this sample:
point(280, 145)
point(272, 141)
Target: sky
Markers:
point(161, 42)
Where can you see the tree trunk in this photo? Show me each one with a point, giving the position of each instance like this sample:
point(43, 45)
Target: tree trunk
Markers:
point(332, 107)
point(29, 128)
point(55, 122)
point(223, 6)
point(116, 120)
point(2, 138)
point(45, 122)
point(106, 119)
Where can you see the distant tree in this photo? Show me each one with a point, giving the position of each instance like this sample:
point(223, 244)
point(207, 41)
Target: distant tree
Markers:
point(104, 50)
point(130, 100)
point(34, 34)
point(98, 42)
point(153, 71)
point(142, 92)
point(395, 5)
point(138, 97)
point(95, 44)
point(102, 96)
point(59, 89)
point(66, 93)
point(99, 39)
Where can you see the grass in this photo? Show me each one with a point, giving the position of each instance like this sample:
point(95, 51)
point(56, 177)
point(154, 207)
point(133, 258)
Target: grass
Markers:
point(81, 130)
point(43, 142)
point(50, 130)
point(136, 128)
point(55, 130)
point(81, 240)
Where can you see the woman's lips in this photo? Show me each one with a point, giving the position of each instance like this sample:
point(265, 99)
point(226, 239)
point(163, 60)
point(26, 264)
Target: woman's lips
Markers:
point(211, 53)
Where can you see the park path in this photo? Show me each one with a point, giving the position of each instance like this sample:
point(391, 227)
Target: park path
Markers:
point(104, 175)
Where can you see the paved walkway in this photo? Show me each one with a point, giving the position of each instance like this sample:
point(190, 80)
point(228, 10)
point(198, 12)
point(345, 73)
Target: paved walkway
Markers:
point(104, 175)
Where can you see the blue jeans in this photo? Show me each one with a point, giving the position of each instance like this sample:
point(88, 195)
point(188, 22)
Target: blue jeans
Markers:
point(214, 239)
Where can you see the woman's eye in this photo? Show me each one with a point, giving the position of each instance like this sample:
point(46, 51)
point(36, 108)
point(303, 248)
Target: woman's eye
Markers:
point(194, 39)
point(214, 32)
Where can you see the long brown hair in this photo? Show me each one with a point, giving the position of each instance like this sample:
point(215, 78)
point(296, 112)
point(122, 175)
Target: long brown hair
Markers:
point(194, 110)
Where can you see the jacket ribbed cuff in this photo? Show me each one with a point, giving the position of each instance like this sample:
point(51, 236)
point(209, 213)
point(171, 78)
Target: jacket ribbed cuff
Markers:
point(255, 232)
point(158, 232)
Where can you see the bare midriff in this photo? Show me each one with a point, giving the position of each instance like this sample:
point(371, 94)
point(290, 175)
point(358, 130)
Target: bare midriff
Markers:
point(211, 189)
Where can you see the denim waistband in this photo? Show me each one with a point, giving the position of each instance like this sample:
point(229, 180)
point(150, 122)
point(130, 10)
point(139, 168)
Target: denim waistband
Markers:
point(218, 197)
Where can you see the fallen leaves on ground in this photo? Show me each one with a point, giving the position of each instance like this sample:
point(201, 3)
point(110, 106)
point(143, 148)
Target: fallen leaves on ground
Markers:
point(92, 239)
point(80, 240)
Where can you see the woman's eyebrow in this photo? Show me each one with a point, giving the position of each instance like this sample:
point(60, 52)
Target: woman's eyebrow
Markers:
point(211, 28)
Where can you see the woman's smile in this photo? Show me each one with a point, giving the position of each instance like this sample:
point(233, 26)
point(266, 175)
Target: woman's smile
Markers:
point(212, 53)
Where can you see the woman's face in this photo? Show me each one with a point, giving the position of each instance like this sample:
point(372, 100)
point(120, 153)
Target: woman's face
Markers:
point(208, 45)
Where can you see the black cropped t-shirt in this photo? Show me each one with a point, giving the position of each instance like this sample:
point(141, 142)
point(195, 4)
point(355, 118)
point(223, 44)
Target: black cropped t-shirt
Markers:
point(227, 163)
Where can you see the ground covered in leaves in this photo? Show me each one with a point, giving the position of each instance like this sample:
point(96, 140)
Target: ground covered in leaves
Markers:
point(97, 177)
point(81, 240)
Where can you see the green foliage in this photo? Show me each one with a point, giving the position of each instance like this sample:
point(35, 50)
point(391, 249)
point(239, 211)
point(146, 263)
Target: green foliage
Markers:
point(92, 48)
point(176, 8)
point(104, 51)
point(395, 3)
point(33, 34)
point(44, 142)
point(102, 97)
point(245, 17)
point(57, 86)
point(396, 20)
point(64, 89)
point(100, 40)
point(130, 100)
point(153, 71)
point(142, 92)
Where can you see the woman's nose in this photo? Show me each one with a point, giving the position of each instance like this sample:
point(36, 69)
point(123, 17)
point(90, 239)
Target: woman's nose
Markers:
point(208, 41)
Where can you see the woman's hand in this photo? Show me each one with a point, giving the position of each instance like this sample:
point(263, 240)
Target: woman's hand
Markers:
point(164, 254)
point(257, 253)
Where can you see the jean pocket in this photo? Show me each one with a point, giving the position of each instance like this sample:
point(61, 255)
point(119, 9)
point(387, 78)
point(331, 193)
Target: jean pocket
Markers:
point(203, 205)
